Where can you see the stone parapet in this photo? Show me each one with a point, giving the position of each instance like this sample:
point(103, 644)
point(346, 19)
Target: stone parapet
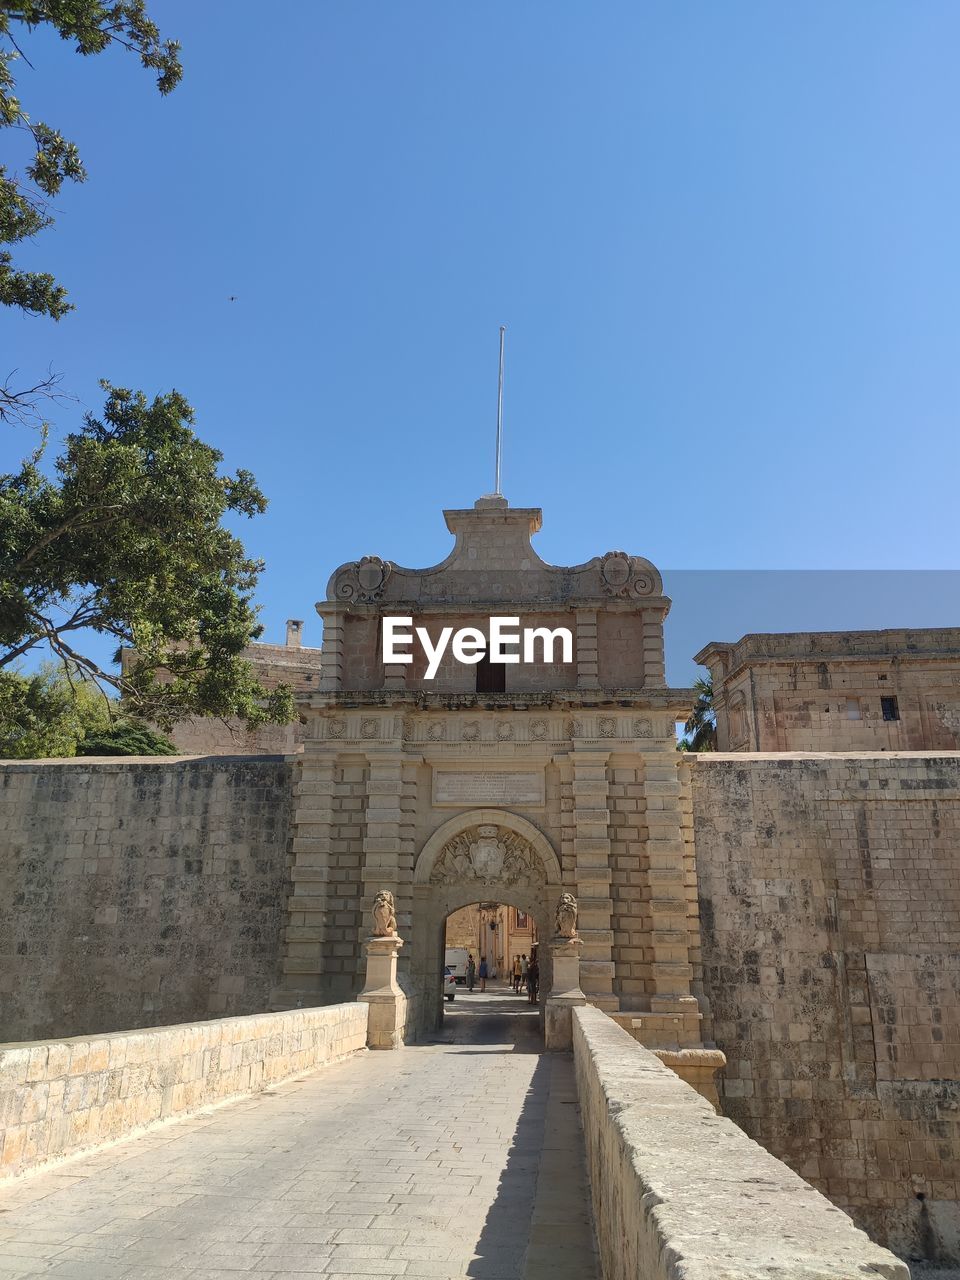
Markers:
point(62, 1097)
point(678, 1191)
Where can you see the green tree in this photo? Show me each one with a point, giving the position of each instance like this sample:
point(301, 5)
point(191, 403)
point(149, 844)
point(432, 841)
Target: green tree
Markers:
point(57, 712)
point(126, 539)
point(126, 738)
point(48, 713)
point(51, 159)
point(700, 730)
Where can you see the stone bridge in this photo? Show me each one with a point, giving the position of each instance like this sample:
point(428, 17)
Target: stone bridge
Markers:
point(278, 1145)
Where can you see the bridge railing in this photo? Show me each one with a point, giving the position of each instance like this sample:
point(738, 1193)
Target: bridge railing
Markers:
point(61, 1097)
point(679, 1190)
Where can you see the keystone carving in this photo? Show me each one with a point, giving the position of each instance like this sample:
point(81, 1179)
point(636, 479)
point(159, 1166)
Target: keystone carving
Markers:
point(623, 575)
point(490, 853)
point(362, 581)
point(384, 915)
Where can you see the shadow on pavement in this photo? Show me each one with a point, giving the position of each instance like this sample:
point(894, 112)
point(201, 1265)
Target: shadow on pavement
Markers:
point(539, 1227)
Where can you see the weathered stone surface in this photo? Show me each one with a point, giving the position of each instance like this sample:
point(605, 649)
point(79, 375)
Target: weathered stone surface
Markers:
point(136, 892)
point(892, 690)
point(681, 1193)
point(61, 1097)
point(830, 906)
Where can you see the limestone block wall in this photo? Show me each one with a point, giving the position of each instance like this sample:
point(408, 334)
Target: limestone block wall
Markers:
point(830, 906)
point(209, 735)
point(139, 892)
point(678, 1190)
point(379, 781)
point(837, 707)
point(60, 1097)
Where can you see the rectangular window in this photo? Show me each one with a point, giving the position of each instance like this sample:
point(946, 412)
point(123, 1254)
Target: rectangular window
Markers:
point(491, 676)
point(522, 920)
point(853, 708)
point(889, 709)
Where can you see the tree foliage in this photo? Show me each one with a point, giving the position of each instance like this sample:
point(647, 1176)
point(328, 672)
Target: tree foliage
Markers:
point(700, 730)
point(47, 714)
point(56, 712)
point(52, 159)
point(126, 539)
point(129, 738)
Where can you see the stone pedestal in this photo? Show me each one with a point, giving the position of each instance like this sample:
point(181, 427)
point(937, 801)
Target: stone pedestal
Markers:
point(698, 1067)
point(558, 1023)
point(382, 992)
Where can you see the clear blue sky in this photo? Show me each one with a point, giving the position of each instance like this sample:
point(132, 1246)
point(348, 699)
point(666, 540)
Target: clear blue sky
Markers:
point(725, 239)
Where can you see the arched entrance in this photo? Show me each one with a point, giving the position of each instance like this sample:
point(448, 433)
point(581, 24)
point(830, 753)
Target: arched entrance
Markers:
point(481, 855)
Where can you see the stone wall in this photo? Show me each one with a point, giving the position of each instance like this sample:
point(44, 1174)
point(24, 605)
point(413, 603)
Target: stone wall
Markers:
point(830, 906)
point(894, 690)
point(60, 1097)
point(139, 892)
point(680, 1191)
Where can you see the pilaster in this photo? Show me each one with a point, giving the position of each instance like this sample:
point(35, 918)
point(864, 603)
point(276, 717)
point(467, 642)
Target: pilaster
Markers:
point(302, 966)
point(389, 848)
point(674, 1012)
point(588, 666)
point(331, 654)
point(654, 670)
point(591, 845)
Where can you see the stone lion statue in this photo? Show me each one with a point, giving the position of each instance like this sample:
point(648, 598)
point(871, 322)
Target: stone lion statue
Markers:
point(567, 916)
point(384, 915)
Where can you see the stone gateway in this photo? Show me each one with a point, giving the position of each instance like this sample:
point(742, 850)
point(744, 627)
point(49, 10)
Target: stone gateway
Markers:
point(780, 927)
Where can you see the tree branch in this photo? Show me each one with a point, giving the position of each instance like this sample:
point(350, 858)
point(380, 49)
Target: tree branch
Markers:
point(21, 406)
point(54, 534)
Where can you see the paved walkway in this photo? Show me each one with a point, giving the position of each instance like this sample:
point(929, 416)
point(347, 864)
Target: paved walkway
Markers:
point(460, 1158)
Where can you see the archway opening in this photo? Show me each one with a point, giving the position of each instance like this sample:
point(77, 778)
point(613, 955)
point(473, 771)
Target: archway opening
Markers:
point(491, 968)
point(500, 868)
point(489, 944)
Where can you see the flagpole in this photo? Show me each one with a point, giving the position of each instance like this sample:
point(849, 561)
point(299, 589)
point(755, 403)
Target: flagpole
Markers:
point(503, 329)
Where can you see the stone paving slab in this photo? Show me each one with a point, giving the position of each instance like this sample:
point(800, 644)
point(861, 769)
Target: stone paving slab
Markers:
point(459, 1159)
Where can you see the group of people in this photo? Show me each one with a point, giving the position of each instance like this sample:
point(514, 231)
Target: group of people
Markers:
point(524, 975)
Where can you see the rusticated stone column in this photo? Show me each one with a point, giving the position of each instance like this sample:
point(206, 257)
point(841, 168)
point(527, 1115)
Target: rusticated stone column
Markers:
point(588, 670)
point(388, 840)
point(674, 1017)
point(307, 905)
point(591, 845)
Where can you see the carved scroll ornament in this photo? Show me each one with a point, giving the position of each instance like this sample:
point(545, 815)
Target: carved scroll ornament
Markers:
point(488, 853)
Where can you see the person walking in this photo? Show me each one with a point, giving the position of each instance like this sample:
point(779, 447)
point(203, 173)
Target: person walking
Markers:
point(471, 972)
point(523, 971)
point(533, 979)
point(516, 975)
point(483, 973)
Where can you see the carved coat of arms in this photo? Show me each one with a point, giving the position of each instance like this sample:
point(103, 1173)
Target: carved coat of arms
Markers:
point(491, 854)
point(487, 854)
